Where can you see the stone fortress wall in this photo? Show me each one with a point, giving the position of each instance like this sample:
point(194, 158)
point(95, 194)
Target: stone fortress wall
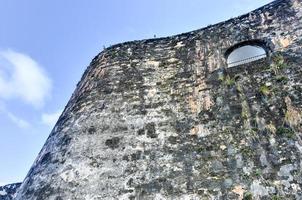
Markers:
point(167, 119)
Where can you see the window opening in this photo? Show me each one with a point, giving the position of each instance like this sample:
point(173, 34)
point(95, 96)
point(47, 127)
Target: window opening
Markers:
point(245, 54)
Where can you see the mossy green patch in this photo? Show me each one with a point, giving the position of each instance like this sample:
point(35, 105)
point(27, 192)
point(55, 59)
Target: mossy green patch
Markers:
point(285, 131)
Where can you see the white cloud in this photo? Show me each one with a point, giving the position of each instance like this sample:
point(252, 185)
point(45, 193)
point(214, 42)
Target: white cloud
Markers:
point(51, 118)
point(18, 121)
point(21, 123)
point(23, 78)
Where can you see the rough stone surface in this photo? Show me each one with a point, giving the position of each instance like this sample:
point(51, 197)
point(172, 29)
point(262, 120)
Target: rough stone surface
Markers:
point(8, 192)
point(166, 119)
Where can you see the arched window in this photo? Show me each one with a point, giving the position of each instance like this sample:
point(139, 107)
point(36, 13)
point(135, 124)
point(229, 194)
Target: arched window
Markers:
point(244, 53)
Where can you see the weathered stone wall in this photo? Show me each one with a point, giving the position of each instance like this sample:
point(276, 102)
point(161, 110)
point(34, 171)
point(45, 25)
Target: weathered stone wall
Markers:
point(8, 192)
point(165, 119)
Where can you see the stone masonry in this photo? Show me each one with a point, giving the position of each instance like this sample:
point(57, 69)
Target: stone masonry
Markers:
point(167, 119)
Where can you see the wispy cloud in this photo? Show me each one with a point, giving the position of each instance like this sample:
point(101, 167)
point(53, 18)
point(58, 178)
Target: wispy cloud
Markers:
point(50, 119)
point(21, 77)
point(21, 123)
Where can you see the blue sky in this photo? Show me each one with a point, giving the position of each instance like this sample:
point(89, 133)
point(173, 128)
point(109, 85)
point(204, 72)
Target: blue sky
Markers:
point(45, 46)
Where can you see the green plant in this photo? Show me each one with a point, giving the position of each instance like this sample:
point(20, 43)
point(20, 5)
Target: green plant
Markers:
point(247, 196)
point(255, 129)
point(245, 112)
point(282, 79)
point(239, 88)
point(200, 149)
point(247, 152)
point(278, 63)
point(276, 197)
point(229, 81)
point(279, 60)
point(284, 131)
point(257, 172)
point(264, 90)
